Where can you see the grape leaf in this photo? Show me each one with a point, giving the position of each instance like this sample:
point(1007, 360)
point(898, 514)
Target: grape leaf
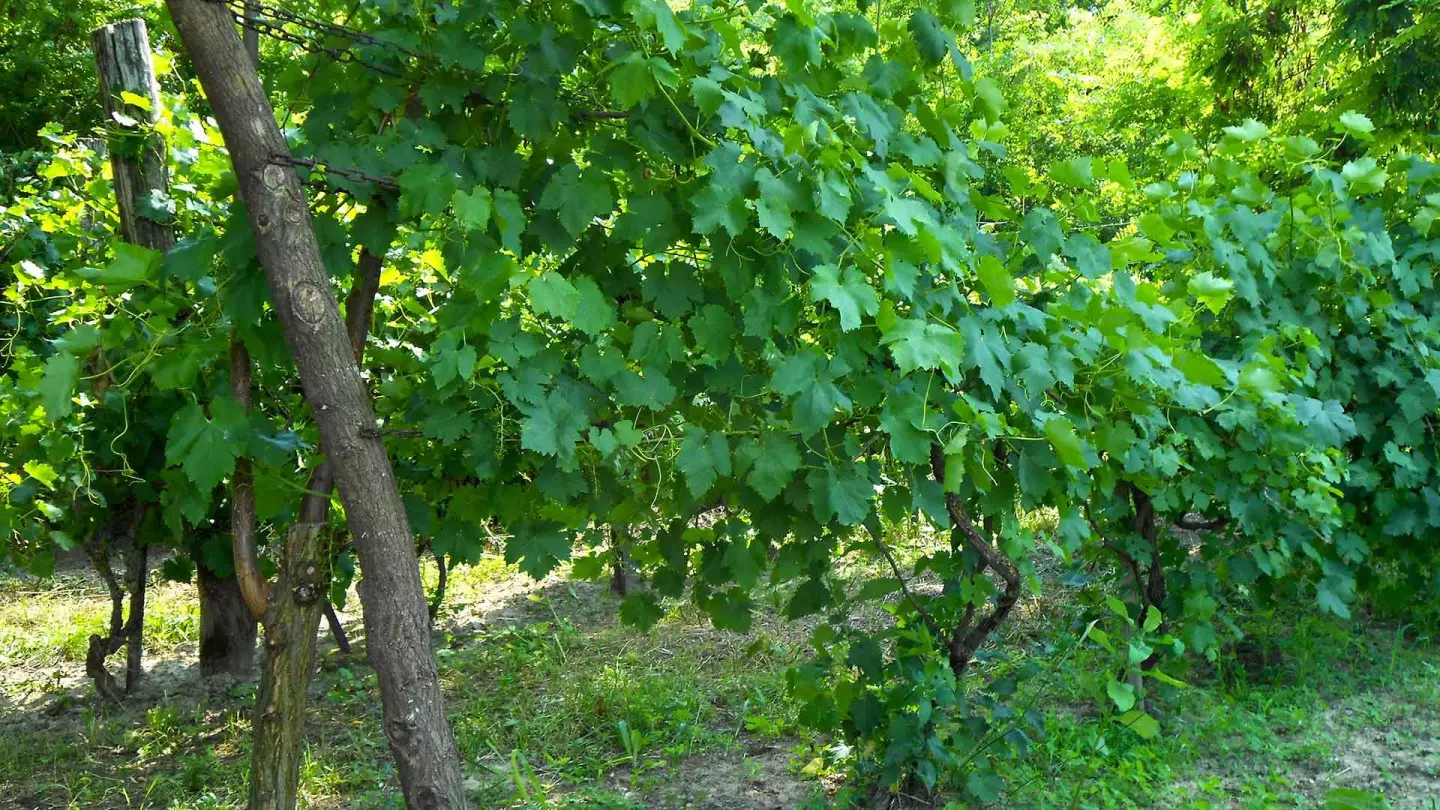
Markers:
point(57, 385)
point(999, 284)
point(847, 291)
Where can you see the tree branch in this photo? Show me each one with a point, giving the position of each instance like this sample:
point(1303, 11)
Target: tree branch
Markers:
point(253, 588)
point(874, 531)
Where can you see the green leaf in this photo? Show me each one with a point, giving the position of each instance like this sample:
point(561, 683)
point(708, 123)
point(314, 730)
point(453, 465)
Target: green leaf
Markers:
point(206, 448)
point(1248, 132)
point(637, 77)
point(1153, 618)
point(594, 312)
point(1259, 378)
point(775, 464)
point(57, 385)
point(1211, 291)
point(510, 218)
point(703, 458)
point(1061, 435)
point(41, 472)
point(1147, 727)
point(426, 188)
point(472, 209)
point(732, 610)
point(774, 216)
point(1352, 799)
point(989, 99)
point(847, 291)
point(849, 494)
point(538, 549)
point(1123, 694)
point(833, 198)
point(1355, 124)
point(577, 197)
point(930, 38)
point(552, 294)
point(554, 426)
point(917, 345)
point(1334, 594)
point(1364, 176)
point(642, 610)
point(656, 15)
point(811, 597)
point(715, 208)
point(132, 266)
point(1075, 172)
point(999, 284)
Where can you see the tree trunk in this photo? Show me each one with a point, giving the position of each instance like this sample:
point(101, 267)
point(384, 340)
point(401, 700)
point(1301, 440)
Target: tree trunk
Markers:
point(397, 627)
point(437, 599)
point(135, 626)
point(227, 628)
point(253, 588)
point(290, 625)
point(620, 566)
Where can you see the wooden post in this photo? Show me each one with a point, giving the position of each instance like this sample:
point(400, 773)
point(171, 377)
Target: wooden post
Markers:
point(137, 156)
point(130, 97)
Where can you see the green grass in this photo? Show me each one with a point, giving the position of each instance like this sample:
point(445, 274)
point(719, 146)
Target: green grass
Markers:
point(554, 704)
point(49, 624)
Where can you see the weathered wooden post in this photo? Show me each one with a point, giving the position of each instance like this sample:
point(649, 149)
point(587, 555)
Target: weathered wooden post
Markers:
point(131, 99)
point(137, 154)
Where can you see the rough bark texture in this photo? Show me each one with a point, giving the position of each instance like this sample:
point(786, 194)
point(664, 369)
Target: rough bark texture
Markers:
point(122, 57)
point(620, 566)
point(227, 628)
point(437, 599)
point(290, 624)
point(397, 627)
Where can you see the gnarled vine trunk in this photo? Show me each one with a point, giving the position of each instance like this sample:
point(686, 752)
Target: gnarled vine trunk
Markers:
point(123, 631)
point(969, 634)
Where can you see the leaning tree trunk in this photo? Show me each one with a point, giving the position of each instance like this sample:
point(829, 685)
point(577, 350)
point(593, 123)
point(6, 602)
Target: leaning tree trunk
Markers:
point(304, 576)
point(397, 627)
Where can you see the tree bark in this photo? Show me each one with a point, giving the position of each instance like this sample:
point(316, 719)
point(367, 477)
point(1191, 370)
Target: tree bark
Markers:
point(337, 630)
point(397, 626)
point(122, 57)
point(227, 628)
point(290, 624)
point(122, 631)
